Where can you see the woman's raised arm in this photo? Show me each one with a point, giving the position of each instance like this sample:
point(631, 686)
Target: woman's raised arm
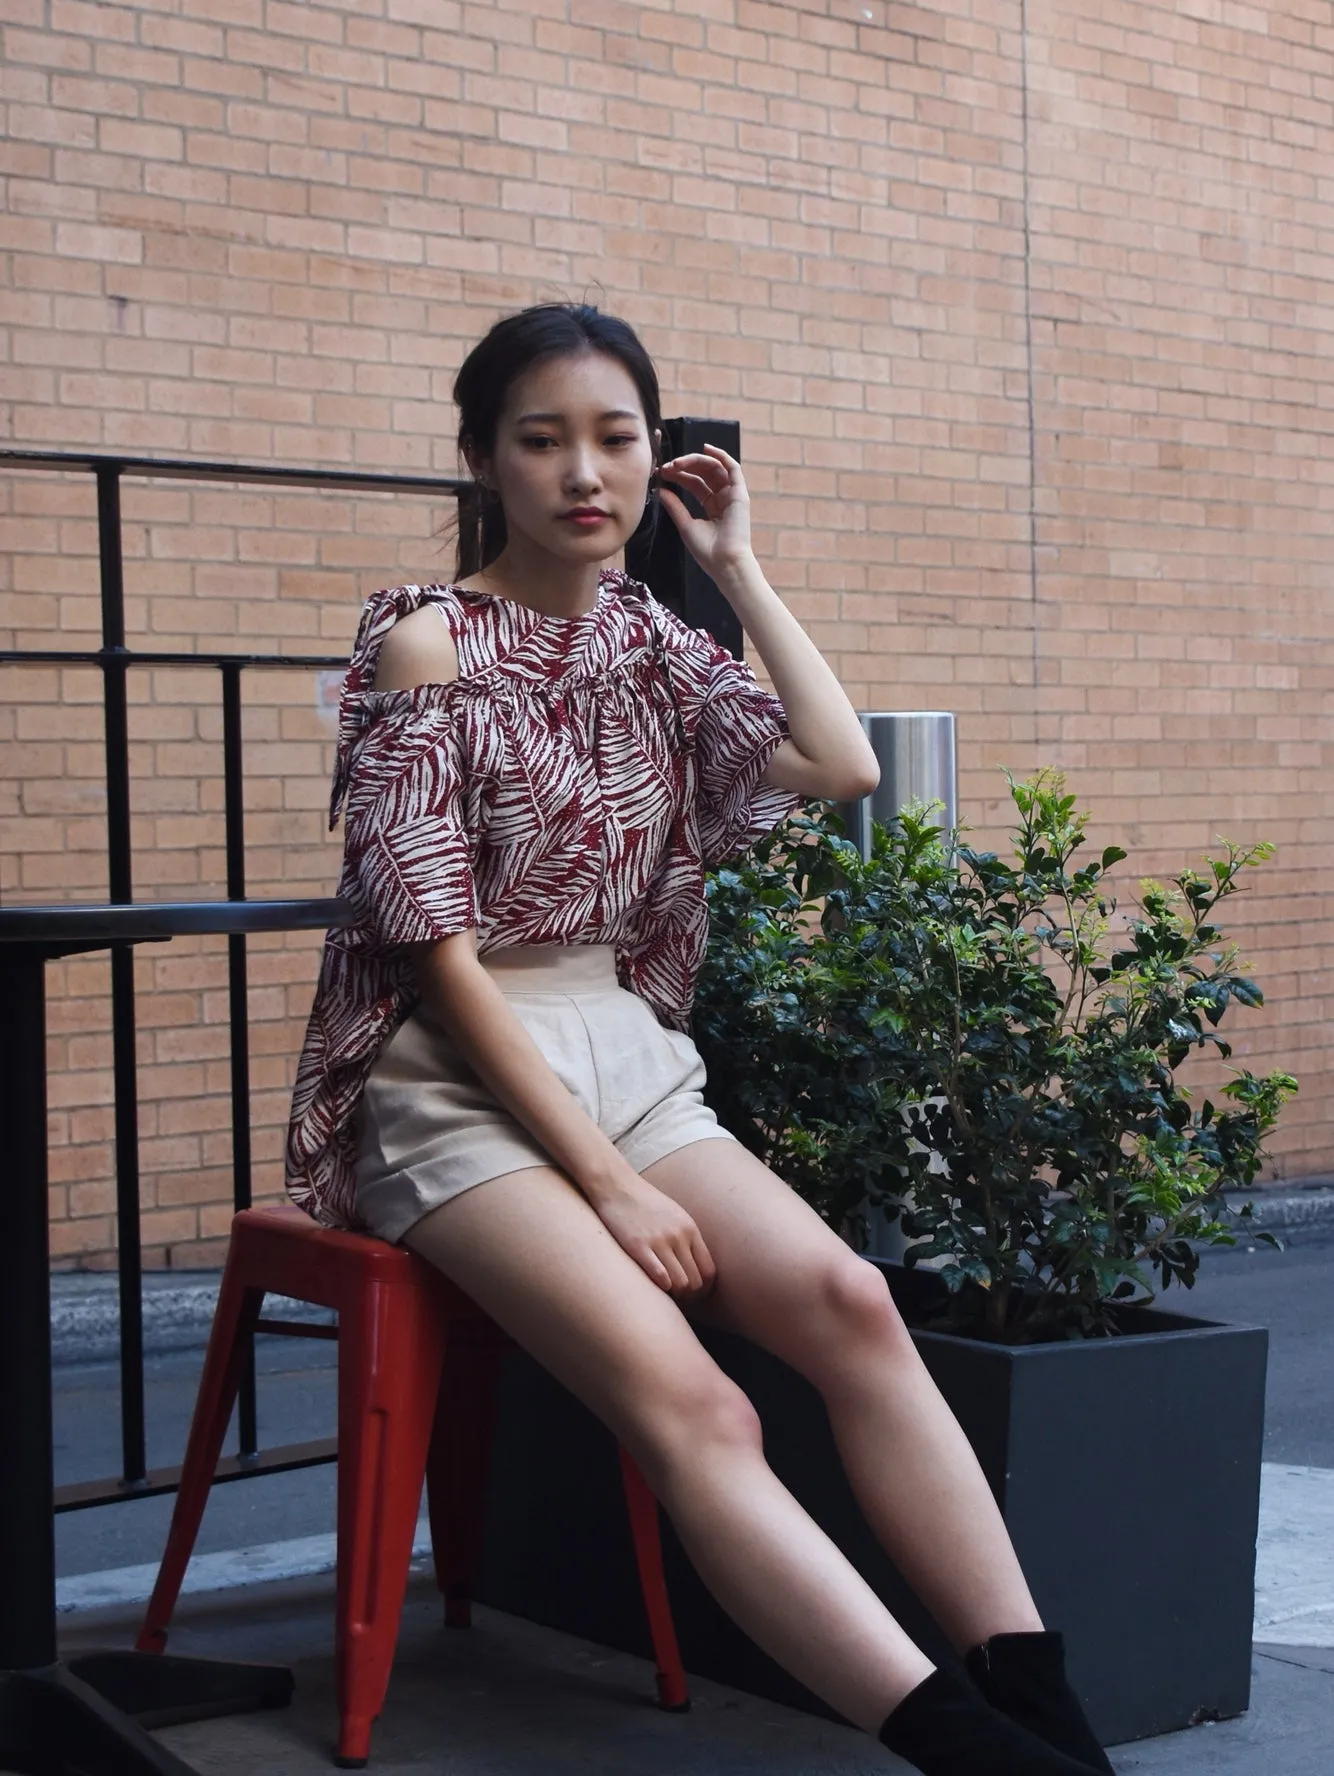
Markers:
point(828, 754)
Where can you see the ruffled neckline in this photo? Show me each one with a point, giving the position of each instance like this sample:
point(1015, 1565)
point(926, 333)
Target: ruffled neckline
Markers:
point(359, 705)
point(607, 578)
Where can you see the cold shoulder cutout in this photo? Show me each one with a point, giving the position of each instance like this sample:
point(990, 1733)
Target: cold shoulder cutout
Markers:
point(571, 785)
point(418, 650)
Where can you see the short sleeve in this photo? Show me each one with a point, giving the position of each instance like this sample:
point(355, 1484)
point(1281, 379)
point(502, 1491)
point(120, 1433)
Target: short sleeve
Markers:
point(741, 726)
point(408, 859)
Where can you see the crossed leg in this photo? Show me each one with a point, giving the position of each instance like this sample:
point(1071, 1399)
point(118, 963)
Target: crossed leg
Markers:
point(534, 1255)
point(788, 1283)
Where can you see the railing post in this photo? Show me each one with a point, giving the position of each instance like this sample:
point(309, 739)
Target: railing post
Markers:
point(238, 1006)
point(27, 1533)
point(234, 815)
point(111, 565)
point(124, 1065)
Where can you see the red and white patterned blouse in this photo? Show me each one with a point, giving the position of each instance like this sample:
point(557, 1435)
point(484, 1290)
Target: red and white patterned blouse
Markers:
point(572, 785)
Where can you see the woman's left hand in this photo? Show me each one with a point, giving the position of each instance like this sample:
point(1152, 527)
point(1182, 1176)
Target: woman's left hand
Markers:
point(721, 538)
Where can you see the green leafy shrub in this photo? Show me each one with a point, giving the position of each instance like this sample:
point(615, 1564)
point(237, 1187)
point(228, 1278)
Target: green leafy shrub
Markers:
point(984, 1035)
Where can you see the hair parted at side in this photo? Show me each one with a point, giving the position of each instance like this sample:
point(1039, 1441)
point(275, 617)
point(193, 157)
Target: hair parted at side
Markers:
point(514, 346)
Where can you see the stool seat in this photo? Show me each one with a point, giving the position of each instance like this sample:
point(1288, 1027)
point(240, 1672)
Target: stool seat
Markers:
point(418, 1363)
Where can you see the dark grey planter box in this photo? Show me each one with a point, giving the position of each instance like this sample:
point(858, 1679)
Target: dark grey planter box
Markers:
point(1128, 1471)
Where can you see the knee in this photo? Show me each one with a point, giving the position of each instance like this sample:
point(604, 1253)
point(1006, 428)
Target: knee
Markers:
point(853, 1314)
point(696, 1416)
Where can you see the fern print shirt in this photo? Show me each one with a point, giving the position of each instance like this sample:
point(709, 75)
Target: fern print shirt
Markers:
point(571, 786)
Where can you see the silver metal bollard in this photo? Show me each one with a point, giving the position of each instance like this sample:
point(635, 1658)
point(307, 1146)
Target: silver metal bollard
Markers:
point(918, 763)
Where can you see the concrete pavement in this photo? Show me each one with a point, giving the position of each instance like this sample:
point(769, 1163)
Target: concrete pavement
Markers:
point(513, 1698)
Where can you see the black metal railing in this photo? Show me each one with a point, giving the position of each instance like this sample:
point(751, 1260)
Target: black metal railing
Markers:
point(116, 660)
point(676, 579)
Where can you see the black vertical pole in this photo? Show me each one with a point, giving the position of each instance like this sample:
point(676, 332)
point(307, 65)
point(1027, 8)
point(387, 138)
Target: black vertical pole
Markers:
point(233, 781)
point(123, 1060)
point(27, 1528)
point(665, 564)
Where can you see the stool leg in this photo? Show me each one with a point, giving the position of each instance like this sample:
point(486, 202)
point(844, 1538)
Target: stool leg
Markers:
point(646, 1530)
point(233, 1324)
point(391, 1344)
point(458, 1464)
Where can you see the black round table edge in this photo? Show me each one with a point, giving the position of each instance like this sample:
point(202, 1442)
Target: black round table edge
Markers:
point(149, 921)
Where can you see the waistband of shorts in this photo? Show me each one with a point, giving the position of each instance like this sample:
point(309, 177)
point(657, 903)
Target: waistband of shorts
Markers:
point(552, 968)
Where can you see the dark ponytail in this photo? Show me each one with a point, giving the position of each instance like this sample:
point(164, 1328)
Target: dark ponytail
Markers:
point(513, 347)
point(481, 534)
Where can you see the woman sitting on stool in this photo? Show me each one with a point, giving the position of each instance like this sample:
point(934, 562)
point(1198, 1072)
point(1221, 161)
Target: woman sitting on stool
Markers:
point(538, 764)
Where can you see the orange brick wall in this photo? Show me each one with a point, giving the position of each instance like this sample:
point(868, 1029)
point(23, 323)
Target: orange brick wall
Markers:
point(1021, 307)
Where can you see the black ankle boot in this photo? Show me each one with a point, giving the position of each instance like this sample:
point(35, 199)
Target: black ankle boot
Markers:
point(1024, 1676)
point(945, 1728)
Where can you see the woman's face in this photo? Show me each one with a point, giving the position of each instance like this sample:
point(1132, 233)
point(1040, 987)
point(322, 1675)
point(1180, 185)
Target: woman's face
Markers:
point(573, 457)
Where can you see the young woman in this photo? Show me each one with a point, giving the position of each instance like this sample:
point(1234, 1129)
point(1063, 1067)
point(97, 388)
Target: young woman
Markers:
point(538, 763)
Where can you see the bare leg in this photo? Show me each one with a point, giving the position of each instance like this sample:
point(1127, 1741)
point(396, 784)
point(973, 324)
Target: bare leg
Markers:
point(532, 1252)
point(791, 1285)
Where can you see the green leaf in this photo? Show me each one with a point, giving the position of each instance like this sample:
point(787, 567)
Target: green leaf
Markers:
point(942, 1020)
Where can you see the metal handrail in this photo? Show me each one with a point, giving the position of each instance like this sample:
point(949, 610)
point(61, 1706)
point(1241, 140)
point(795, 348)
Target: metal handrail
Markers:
point(183, 468)
point(155, 921)
point(155, 657)
point(115, 661)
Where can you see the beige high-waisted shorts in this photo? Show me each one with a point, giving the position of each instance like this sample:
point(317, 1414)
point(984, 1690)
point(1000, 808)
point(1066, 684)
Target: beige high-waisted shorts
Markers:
point(430, 1129)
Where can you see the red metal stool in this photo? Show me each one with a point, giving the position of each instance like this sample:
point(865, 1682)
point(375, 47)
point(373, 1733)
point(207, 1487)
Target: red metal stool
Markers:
point(417, 1365)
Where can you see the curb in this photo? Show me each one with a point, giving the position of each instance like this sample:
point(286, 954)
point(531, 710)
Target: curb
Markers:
point(1296, 1215)
point(301, 1558)
point(178, 1313)
point(178, 1305)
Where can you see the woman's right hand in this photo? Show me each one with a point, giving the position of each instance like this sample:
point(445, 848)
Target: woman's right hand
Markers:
point(658, 1234)
point(655, 1230)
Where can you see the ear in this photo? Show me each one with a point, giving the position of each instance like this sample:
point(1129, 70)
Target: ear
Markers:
point(477, 465)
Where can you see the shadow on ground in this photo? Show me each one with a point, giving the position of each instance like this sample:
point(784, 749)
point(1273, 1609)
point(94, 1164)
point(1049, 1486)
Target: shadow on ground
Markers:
point(512, 1699)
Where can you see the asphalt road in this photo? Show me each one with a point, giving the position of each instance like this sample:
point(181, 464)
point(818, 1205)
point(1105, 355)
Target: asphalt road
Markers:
point(297, 1402)
point(1290, 1292)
